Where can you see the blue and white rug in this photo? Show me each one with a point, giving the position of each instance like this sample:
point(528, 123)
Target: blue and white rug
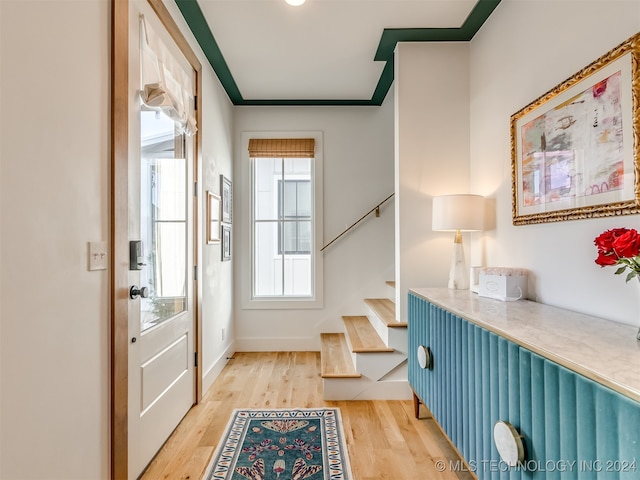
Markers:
point(291, 444)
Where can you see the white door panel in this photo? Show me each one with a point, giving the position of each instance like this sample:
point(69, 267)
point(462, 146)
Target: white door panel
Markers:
point(161, 326)
point(163, 370)
point(158, 422)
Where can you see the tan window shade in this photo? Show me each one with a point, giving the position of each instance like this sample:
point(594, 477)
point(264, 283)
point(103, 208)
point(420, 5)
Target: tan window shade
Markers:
point(281, 148)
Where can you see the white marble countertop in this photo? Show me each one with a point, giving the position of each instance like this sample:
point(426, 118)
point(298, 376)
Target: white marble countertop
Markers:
point(604, 351)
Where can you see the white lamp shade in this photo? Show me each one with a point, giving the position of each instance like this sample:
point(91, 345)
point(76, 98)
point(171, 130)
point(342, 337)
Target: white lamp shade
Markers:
point(458, 212)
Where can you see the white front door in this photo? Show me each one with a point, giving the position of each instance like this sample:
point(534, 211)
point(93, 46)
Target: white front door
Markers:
point(161, 307)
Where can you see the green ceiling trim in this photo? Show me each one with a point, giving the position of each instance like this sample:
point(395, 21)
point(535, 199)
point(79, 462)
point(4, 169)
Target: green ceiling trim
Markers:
point(384, 83)
point(200, 29)
point(475, 20)
point(390, 38)
point(304, 103)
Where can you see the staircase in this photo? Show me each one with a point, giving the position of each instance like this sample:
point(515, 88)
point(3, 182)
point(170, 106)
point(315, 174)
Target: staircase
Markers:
point(368, 359)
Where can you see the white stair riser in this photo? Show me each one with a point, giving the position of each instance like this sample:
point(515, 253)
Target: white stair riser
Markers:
point(394, 337)
point(380, 327)
point(398, 339)
point(365, 389)
point(398, 373)
point(377, 365)
point(393, 386)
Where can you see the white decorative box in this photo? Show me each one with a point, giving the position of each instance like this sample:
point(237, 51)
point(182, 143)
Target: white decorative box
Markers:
point(506, 284)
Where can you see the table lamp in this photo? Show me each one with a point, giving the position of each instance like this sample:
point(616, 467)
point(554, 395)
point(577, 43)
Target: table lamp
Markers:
point(458, 213)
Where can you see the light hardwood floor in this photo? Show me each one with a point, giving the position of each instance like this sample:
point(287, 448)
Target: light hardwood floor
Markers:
point(384, 439)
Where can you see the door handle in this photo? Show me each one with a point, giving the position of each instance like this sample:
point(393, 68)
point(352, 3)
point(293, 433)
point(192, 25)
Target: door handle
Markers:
point(135, 292)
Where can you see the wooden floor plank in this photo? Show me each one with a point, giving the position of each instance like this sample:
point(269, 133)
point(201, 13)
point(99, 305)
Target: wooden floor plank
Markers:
point(384, 440)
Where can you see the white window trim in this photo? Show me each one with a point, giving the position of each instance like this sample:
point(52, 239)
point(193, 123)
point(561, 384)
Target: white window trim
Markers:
point(246, 284)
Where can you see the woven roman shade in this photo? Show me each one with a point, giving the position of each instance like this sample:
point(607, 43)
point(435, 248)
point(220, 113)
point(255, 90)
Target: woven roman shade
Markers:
point(281, 148)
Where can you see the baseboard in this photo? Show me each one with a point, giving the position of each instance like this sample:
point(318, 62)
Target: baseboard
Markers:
point(299, 344)
point(212, 373)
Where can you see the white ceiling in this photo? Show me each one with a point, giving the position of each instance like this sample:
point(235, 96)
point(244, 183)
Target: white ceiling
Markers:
point(323, 50)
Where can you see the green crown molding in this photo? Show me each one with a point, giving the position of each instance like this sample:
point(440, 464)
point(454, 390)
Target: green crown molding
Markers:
point(390, 37)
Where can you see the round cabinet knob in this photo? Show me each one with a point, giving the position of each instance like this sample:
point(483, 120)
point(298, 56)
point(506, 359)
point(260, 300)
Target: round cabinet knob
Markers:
point(425, 358)
point(135, 292)
point(509, 443)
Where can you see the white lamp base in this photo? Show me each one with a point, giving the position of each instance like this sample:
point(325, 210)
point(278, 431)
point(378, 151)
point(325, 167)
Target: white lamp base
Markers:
point(458, 273)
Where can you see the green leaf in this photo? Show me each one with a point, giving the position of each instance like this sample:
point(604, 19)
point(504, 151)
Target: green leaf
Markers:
point(620, 270)
point(632, 274)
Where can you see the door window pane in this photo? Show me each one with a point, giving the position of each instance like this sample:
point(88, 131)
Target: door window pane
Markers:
point(163, 222)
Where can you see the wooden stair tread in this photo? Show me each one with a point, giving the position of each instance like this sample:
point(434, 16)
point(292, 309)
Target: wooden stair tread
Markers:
point(391, 283)
point(362, 336)
point(385, 309)
point(335, 357)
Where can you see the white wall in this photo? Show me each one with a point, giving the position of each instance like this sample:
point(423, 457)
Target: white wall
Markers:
point(54, 347)
point(54, 198)
point(358, 173)
point(525, 49)
point(431, 158)
point(215, 276)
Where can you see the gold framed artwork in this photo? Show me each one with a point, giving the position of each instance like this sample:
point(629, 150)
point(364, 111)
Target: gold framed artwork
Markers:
point(575, 151)
point(213, 217)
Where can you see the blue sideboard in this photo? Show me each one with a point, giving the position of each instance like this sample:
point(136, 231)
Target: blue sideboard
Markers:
point(490, 361)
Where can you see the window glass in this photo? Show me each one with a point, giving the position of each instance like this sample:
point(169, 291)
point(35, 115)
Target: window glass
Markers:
point(283, 223)
point(163, 221)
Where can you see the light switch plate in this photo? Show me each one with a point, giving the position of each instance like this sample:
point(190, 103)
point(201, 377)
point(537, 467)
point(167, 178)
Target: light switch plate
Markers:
point(98, 256)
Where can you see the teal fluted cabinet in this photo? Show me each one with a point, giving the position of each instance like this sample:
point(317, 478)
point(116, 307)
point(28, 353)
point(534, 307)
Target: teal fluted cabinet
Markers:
point(572, 426)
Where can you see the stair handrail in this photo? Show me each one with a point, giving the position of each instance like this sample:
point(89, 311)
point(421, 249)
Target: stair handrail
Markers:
point(374, 209)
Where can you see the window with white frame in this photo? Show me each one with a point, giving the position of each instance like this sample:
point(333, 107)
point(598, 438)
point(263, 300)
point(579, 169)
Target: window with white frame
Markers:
point(294, 215)
point(284, 219)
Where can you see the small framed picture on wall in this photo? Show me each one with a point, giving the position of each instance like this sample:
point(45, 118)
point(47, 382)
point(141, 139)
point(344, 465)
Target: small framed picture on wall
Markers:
point(227, 199)
point(226, 243)
point(213, 217)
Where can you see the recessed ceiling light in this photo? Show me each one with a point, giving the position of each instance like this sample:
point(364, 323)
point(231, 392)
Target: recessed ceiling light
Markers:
point(295, 3)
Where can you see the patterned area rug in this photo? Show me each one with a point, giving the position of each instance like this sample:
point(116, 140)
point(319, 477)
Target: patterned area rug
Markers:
point(292, 444)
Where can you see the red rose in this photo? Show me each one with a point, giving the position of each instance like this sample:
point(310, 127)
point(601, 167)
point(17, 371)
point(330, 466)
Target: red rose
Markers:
point(620, 246)
point(605, 260)
point(628, 244)
point(605, 240)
